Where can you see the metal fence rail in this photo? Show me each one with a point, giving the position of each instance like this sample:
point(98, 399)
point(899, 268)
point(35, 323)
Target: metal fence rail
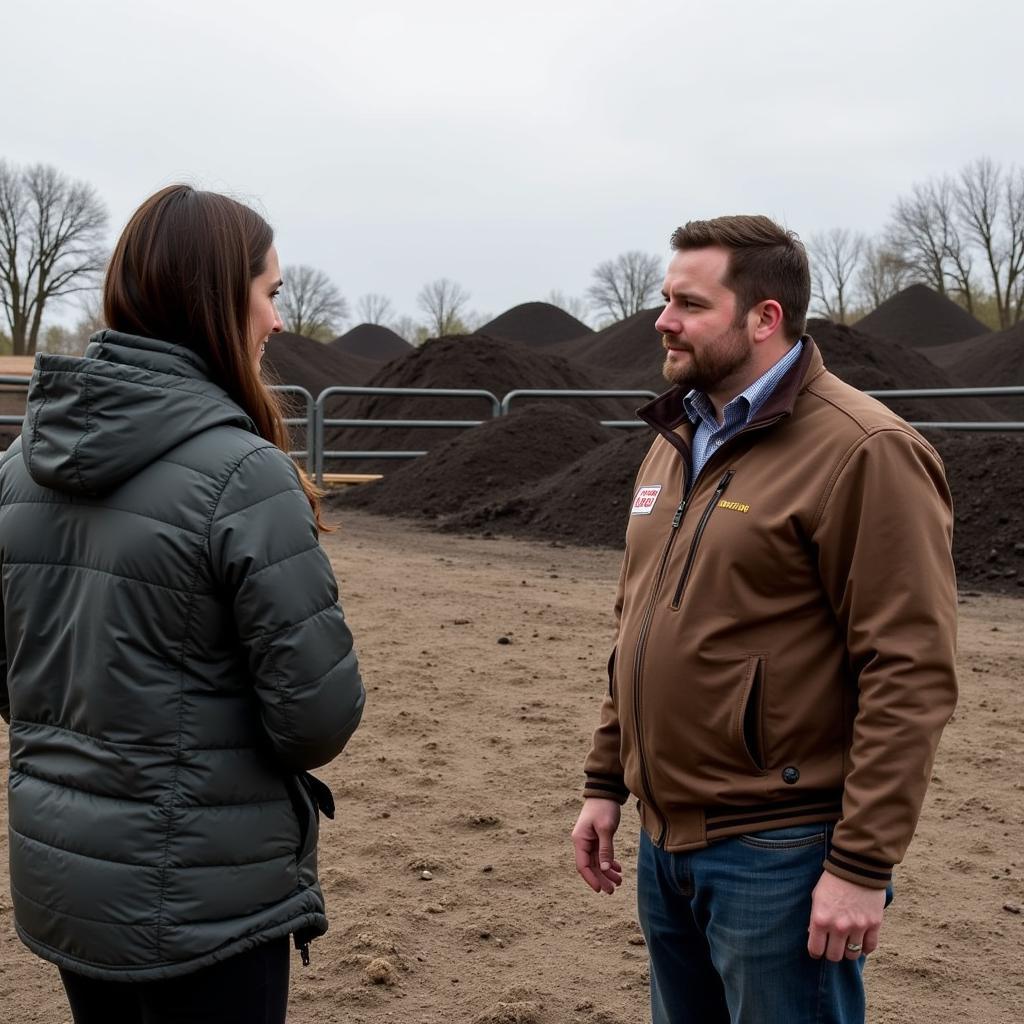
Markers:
point(308, 453)
point(1002, 426)
point(506, 402)
point(321, 422)
point(316, 422)
point(9, 379)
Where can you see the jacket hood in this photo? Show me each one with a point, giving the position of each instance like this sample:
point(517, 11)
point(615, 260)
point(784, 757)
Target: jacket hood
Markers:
point(93, 422)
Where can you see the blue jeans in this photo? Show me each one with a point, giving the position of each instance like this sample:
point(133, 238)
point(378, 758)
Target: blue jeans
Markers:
point(726, 930)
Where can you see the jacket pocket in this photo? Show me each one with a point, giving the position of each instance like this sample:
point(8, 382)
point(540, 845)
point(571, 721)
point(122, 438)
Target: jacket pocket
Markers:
point(611, 675)
point(791, 838)
point(750, 717)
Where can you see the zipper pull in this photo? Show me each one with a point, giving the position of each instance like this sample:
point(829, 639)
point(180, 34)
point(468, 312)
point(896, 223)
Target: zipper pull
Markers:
point(678, 517)
point(304, 953)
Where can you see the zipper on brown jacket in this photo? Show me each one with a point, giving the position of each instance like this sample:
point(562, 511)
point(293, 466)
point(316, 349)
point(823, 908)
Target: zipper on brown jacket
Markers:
point(638, 659)
point(698, 533)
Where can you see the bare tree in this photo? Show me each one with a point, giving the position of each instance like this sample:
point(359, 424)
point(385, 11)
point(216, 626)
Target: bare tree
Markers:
point(916, 233)
point(991, 208)
point(72, 341)
point(572, 304)
point(834, 256)
point(925, 232)
point(444, 302)
point(311, 304)
point(625, 285)
point(406, 327)
point(374, 309)
point(51, 234)
point(472, 320)
point(883, 273)
point(1015, 225)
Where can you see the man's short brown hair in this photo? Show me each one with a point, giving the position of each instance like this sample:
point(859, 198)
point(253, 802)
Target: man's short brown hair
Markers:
point(765, 262)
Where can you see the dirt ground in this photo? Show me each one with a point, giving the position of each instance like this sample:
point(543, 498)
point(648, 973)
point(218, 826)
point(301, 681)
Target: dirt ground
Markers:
point(484, 660)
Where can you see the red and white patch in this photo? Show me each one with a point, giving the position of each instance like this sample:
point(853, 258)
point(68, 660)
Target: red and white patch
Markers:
point(643, 503)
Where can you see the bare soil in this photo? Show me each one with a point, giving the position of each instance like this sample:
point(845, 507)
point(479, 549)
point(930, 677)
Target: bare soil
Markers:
point(484, 660)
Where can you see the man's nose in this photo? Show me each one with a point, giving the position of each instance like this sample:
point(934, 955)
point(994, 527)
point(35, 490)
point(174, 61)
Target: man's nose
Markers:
point(666, 323)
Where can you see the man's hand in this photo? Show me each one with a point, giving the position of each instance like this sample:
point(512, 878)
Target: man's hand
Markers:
point(842, 915)
point(592, 838)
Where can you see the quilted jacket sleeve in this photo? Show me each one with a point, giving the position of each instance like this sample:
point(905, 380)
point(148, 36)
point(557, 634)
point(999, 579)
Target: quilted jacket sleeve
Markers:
point(265, 551)
point(5, 697)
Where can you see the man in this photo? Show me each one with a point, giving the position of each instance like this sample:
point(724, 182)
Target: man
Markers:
point(784, 659)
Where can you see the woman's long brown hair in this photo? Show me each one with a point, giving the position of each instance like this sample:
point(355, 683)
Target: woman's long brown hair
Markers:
point(181, 272)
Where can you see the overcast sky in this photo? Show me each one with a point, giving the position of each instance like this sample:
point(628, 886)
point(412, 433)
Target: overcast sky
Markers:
point(512, 147)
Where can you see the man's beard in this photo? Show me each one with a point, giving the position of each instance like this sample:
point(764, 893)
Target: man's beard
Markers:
point(715, 362)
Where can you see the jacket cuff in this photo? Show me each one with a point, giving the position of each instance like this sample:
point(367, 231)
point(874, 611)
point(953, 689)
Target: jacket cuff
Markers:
point(605, 787)
point(856, 868)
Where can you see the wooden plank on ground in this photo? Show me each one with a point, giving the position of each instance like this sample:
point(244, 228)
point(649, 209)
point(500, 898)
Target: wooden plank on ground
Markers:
point(346, 479)
point(17, 366)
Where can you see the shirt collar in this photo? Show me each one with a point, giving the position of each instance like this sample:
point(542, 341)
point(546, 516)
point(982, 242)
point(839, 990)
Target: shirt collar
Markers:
point(699, 407)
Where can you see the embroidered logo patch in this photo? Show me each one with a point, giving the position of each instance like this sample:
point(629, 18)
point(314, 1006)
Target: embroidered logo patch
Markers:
point(736, 506)
point(643, 503)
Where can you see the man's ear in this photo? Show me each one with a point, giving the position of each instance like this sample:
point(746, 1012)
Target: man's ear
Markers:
point(766, 318)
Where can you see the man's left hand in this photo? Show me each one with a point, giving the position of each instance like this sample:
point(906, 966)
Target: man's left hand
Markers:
point(844, 915)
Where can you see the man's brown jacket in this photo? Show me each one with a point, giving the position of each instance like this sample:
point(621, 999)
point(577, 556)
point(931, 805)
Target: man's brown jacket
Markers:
point(786, 628)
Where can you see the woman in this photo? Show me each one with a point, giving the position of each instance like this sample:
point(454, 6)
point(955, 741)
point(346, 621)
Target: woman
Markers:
point(175, 658)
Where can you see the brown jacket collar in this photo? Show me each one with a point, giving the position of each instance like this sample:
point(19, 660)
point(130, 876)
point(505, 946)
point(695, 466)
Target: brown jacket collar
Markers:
point(666, 414)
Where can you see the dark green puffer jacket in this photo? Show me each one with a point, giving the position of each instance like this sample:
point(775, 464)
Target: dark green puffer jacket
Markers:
point(175, 659)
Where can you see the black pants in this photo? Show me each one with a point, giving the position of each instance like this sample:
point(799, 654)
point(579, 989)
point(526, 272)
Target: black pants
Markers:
point(251, 988)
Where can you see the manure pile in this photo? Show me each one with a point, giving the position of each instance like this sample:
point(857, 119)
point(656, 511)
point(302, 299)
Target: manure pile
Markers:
point(550, 470)
point(546, 473)
point(918, 317)
point(470, 362)
point(484, 464)
point(535, 323)
point(295, 359)
point(372, 341)
point(986, 476)
point(625, 355)
point(993, 359)
point(584, 502)
point(300, 361)
point(872, 364)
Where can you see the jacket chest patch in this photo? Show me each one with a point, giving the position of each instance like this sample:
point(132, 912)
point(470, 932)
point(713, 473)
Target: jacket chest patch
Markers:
point(734, 506)
point(643, 503)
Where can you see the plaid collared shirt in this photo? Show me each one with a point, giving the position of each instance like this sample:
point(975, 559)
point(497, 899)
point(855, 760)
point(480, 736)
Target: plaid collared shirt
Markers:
point(709, 436)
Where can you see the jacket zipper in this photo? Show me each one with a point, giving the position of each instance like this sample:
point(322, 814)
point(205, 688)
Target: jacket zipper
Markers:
point(719, 491)
point(641, 646)
point(692, 553)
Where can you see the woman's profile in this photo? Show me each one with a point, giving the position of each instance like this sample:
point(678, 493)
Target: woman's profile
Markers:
point(175, 660)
